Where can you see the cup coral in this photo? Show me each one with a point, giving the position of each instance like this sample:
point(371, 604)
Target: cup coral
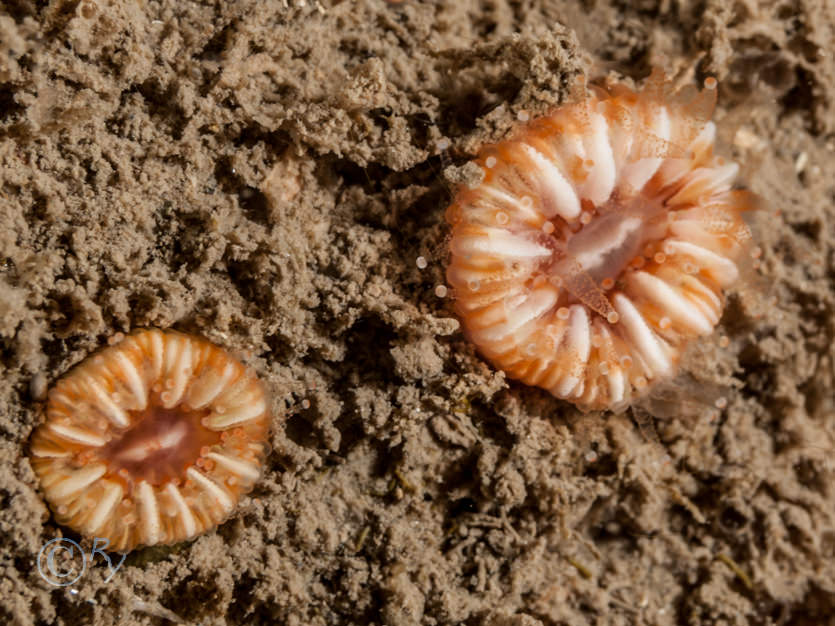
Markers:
point(599, 242)
point(152, 440)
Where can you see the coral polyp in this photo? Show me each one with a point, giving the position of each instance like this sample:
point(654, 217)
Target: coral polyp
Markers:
point(599, 242)
point(152, 440)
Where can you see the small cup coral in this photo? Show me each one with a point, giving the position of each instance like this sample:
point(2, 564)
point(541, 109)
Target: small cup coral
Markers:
point(152, 440)
point(599, 242)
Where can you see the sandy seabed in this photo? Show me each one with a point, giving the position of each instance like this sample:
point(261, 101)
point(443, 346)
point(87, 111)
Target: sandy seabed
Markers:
point(266, 174)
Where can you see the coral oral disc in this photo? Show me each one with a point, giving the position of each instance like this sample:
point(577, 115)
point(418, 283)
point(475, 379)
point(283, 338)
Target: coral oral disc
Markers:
point(599, 242)
point(152, 440)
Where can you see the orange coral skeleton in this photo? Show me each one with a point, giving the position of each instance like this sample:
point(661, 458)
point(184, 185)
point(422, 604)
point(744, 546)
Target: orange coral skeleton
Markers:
point(152, 440)
point(599, 242)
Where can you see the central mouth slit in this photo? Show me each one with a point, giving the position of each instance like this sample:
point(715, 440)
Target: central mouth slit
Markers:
point(615, 235)
point(594, 258)
point(604, 247)
point(160, 444)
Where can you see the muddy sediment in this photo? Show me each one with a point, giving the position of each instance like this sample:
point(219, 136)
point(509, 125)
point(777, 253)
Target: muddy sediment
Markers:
point(267, 174)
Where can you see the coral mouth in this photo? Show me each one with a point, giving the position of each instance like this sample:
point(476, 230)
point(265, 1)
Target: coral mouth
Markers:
point(612, 238)
point(160, 446)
